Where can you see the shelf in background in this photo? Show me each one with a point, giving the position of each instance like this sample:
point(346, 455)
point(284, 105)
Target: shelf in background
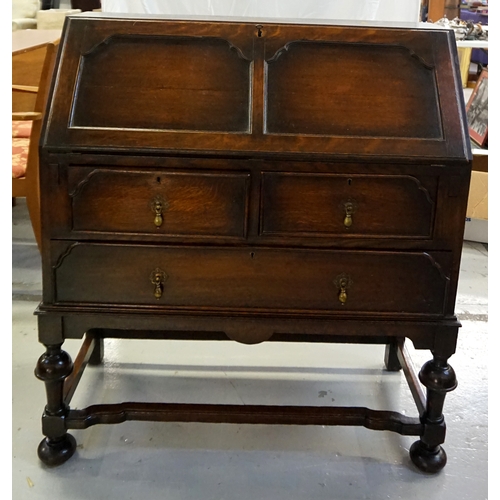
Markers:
point(479, 151)
point(474, 44)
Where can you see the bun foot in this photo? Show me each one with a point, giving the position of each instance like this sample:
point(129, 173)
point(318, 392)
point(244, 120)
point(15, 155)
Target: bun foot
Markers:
point(427, 459)
point(53, 452)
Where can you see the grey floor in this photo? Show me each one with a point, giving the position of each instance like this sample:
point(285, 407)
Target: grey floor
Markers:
point(174, 461)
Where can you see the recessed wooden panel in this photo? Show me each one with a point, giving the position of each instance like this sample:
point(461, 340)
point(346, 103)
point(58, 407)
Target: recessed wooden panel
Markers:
point(165, 83)
point(397, 206)
point(355, 89)
point(249, 278)
point(188, 203)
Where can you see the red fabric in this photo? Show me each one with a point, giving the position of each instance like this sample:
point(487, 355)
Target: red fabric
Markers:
point(20, 148)
point(21, 131)
point(21, 128)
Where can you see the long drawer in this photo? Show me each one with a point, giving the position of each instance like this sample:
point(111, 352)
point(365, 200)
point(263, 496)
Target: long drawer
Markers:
point(252, 278)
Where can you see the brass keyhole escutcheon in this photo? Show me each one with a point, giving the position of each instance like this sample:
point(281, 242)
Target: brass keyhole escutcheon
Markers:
point(343, 282)
point(158, 206)
point(158, 278)
point(349, 209)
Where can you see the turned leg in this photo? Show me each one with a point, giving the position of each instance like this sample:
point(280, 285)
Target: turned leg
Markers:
point(52, 368)
point(391, 359)
point(439, 378)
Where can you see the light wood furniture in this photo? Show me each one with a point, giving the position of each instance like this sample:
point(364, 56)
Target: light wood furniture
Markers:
point(33, 58)
point(253, 181)
point(25, 41)
point(28, 57)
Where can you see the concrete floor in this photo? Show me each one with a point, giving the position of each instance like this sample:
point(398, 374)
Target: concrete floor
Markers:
point(172, 461)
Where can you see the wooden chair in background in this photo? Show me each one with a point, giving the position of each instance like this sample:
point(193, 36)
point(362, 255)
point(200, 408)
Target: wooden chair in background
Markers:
point(28, 107)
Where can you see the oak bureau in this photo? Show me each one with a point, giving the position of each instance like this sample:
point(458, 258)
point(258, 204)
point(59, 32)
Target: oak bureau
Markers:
point(252, 180)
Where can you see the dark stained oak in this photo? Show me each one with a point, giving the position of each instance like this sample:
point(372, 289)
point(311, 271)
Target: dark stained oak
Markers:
point(381, 206)
point(221, 279)
point(252, 181)
point(341, 77)
point(217, 85)
point(175, 203)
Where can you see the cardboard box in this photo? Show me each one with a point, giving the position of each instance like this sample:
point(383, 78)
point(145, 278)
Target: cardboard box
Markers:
point(476, 222)
point(480, 160)
point(477, 206)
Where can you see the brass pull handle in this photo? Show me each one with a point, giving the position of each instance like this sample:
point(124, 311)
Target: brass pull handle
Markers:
point(158, 206)
point(158, 214)
point(158, 278)
point(349, 208)
point(343, 291)
point(343, 282)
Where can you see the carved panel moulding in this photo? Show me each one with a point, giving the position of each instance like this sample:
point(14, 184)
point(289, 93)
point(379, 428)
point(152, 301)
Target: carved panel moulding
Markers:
point(298, 105)
point(198, 75)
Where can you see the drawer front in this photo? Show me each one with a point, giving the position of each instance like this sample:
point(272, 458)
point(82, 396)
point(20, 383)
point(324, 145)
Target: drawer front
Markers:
point(332, 205)
point(159, 202)
point(253, 278)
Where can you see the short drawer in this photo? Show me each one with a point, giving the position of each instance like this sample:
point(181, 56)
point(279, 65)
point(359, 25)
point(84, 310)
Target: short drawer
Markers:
point(253, 278)
point(333, 205)
point(159, 202)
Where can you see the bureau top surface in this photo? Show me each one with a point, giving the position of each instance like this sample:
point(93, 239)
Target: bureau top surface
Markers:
point(252, 20)
point(256, 87)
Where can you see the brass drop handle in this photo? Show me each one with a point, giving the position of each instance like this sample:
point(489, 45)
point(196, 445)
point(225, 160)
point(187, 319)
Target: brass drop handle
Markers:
point(158, 214)
point(343, 282)
point(343, 291)
point(158, 205)
point(158, 278)
point(158, 286)
point(349, 210)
